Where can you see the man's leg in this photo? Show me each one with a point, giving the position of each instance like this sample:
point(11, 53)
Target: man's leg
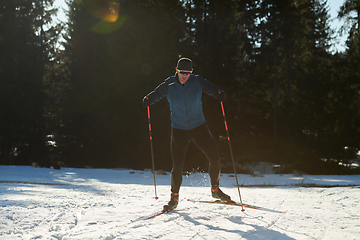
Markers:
point(205, 141)
point(179, 144)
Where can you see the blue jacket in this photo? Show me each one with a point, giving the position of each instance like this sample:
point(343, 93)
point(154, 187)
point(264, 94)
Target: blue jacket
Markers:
point(184, 100)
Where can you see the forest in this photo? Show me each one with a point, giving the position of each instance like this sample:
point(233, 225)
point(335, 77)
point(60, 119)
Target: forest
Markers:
point(71, 92)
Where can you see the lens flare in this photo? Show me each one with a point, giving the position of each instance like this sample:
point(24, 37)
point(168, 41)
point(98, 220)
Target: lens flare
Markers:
point(112, 13)
point(110, 19)
point(104, 27)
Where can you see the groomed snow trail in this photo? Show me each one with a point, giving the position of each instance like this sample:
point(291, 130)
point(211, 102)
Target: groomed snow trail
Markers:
point(100, 204)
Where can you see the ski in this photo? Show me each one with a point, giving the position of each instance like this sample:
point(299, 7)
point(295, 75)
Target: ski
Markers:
point(232, 203)
point(158, 214)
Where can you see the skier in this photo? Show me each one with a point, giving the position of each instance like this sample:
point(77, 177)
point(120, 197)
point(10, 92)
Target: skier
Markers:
point(183, 92)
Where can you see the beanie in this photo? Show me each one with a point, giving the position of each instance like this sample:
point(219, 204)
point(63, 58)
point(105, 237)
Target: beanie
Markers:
point(184, 64)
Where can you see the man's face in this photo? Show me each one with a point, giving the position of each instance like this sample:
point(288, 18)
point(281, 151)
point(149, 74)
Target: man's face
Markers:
point(183, 75)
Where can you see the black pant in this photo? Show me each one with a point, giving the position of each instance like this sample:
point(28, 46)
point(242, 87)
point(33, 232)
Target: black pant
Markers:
point(204, 140)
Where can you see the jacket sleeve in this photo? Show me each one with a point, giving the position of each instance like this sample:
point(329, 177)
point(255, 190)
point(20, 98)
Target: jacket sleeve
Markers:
point(208, 87)
point(159, 92)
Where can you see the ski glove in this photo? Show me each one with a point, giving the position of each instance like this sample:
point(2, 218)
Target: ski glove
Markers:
point(146, 101)
point(221, 95)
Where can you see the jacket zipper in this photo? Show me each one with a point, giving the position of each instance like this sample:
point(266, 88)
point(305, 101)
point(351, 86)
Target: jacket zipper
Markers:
point(187, 115)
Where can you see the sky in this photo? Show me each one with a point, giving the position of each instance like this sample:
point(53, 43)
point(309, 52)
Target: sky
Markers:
point(334, 6)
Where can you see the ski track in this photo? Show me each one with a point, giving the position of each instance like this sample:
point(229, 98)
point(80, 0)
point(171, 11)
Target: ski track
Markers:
point(89, 206)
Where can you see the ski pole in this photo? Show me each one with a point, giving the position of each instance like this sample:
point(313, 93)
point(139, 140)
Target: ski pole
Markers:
point(231, 153)
point(151, 147)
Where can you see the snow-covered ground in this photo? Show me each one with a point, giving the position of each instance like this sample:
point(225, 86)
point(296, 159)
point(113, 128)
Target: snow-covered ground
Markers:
point(43, 203)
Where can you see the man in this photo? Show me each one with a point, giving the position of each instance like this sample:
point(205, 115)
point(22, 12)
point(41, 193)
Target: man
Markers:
point(183, 92)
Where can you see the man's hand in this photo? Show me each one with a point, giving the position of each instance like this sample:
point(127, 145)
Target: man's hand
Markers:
point(146, 101)
point(221, 95)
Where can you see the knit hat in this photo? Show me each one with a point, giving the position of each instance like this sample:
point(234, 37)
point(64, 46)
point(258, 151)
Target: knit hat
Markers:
point(184, 64)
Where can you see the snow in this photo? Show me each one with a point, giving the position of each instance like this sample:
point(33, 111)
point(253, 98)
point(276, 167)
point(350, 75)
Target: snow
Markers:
point(43, 203)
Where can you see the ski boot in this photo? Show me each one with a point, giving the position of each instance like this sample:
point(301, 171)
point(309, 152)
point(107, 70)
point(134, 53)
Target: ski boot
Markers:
point(172, 204)
point(217, 193)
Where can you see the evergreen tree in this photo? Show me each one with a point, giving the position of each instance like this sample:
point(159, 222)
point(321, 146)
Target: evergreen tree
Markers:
point(348, 122)
point(271, 57)
point(26, 49)
point(118, 51)
point(291, 68)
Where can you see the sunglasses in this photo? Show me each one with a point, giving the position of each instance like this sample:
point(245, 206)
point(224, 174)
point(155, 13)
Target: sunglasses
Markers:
point(184, 72)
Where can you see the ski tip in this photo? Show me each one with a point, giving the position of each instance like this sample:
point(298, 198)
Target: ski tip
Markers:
point(156, 198)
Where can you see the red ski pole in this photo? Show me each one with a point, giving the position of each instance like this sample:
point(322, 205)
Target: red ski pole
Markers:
point(152, 151)
point(231, 153)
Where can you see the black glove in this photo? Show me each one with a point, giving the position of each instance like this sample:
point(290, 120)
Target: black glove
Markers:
point(146, 101)
point(221, 95)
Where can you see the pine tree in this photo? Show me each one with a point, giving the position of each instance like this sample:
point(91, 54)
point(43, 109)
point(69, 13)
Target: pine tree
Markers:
point(113, 63)
point(25, 52)
point(348, 123)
